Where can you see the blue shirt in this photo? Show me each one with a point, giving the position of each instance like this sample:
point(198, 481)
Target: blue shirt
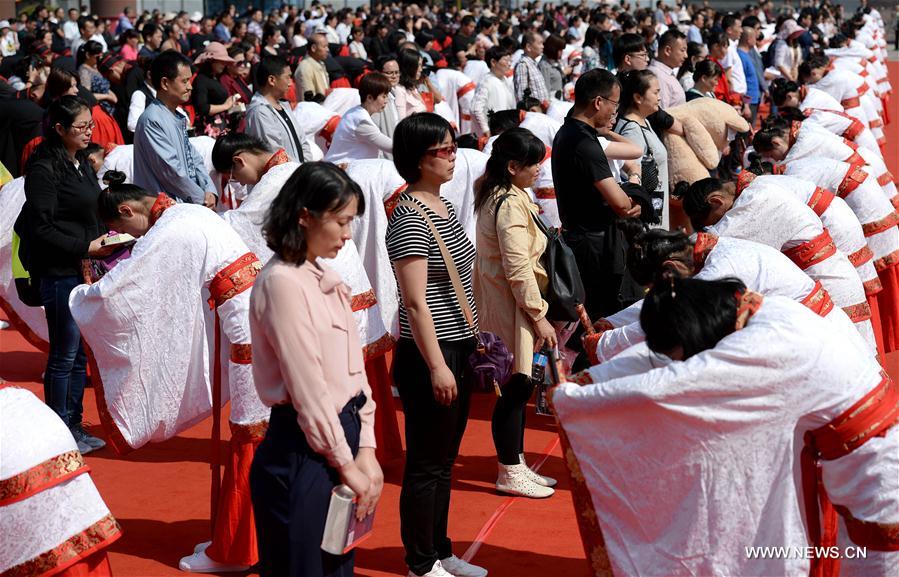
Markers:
point(165, 160)
point(221, 33)
point(753, 86)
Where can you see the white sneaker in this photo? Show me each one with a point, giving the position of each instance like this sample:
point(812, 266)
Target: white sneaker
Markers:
point(461, 568)
point(201, 563)
point(202, 546)
point(535, 476)
point(515, 480)
point(436, 571)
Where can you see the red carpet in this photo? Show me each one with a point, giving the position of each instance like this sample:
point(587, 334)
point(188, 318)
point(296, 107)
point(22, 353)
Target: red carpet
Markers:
point(160, 496)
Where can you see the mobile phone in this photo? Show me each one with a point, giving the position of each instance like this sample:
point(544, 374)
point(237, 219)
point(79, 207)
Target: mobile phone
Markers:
point(118, 239)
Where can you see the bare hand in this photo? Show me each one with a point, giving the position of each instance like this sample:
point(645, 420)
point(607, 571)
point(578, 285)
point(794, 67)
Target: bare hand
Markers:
point(368, 464)
point(353, 477)
point(209, 201)
point(633, 211)
point(444, 384)
point(97, 250)
point(229, 103)
point(111, 97)
point(545, 334)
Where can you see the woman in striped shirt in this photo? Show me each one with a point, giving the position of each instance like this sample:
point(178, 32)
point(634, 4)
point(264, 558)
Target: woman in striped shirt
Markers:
point(431, 363)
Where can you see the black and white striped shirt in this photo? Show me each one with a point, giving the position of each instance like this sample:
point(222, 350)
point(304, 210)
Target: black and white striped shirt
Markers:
point(408, 235)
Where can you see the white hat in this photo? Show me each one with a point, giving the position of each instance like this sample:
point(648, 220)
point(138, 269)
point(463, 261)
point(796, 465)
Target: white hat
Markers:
point(4, 24)
point(196, 16)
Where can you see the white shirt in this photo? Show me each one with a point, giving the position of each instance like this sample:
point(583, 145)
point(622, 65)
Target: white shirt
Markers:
point(737, 75)
point(136, 108)
point(492, 94)
point(70, 29)
point(357, 137)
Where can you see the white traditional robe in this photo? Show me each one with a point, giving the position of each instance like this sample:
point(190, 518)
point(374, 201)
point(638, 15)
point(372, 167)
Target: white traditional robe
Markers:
point(319, 123)
point(767, 213)
point(542, 126)
point(693, 461)
point(381, 184)
point(51, 515)
point(864, 196)
point(843, 125)
point(151, 330)
point(760, 267)
point(457, 90)
point(850, 89)
point(817, 98)
point(341, 100)
point(31, 322)
point(470, 166)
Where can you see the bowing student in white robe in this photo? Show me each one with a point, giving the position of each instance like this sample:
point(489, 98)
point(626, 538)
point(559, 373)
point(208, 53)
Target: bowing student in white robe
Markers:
point(785, 142)
point(53, 520)
point(654, 254)
point(767, 213)
point(835, 121)
point(708, 445)
point(155, 355)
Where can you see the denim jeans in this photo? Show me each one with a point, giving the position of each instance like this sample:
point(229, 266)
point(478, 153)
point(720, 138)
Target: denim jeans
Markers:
point(66, 372)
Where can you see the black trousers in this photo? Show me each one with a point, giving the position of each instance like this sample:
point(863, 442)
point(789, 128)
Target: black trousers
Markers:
point(291, 489)
point(507, 424)
point(600, 256)
point(433, 435)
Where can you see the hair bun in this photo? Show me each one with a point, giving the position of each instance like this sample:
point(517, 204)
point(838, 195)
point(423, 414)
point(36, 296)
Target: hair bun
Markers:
point(114, 178)
point(633, 229)
point(680, 190)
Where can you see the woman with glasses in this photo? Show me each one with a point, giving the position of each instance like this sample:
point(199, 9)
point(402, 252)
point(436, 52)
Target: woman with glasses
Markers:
point(386, 119)
point(431, 366)
point(61, 192)
point(236, 78)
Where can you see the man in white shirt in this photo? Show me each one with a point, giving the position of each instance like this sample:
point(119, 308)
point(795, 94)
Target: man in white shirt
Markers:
point(70, 28)
point(87, 27)
point(494, 91)
point(733, 66)
point(671, 55)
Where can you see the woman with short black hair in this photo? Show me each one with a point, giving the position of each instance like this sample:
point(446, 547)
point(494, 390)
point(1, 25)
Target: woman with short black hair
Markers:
point(309, 367)
point(431, 366)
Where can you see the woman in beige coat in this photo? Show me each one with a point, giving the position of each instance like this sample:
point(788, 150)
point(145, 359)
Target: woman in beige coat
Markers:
point(508, 283)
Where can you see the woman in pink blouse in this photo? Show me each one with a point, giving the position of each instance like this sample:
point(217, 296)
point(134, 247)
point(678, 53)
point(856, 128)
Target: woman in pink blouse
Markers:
point(408, 97)
point(308, 367)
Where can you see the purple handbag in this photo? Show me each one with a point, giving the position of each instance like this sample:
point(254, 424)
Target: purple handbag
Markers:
point(491, 362)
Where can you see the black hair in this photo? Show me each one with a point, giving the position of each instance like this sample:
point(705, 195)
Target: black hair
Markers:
point(811, 63)
point(270, 65)
point(695, 198)
point(495, 53)
point(694, 49)
point(408, 61)
point(751, 21)
point(384, 59)
point(729, 20)
point(166, 66)
point(649, 248)
point(779, 88)
point(411, 139)
point(89, 48)
point(514, 145)
point(626, 44)
point(63, 111)
point(92, 148)
point(838, 41)
point(528, 102)
point(317, 187)
point(231, 144)
point(117, 193)
point(716, 38)
point(791, 114)
point(149, 30)
point(690, 313)
point(633, 82)
point(499, 121)
point(593, 83)
point(706, 68)
point(670, 37)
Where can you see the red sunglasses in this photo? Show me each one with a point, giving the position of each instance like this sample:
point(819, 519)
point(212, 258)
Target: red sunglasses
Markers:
point(443, 152)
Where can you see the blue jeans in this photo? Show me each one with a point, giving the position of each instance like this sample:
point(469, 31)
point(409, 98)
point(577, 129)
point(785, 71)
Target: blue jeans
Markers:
point(66, 372)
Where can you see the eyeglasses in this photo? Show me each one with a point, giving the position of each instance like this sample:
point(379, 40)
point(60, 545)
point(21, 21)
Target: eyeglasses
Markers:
point(391, 73)
point(615, 102)
point(82, 128)
point(444, 152)
point(643, 55)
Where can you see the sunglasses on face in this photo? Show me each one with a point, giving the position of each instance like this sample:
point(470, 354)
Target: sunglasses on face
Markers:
point(443, 152)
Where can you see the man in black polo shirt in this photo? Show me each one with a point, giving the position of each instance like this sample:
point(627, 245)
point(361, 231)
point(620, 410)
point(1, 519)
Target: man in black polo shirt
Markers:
point(590, 200)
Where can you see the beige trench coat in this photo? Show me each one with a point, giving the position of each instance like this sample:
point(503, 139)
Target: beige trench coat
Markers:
point(508, 276)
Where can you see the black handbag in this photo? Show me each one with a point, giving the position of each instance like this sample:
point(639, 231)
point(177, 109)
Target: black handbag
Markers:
point(565, 289)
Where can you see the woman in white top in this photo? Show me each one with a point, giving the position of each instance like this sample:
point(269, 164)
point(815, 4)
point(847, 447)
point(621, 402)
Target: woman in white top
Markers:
point(494, 91)
point(357, 136)
point(357, 48)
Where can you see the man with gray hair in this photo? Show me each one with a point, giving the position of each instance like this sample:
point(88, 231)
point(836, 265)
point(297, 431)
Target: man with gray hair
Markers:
point(527, 76)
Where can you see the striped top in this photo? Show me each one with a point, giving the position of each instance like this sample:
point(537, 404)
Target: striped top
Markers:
point(408, 235)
